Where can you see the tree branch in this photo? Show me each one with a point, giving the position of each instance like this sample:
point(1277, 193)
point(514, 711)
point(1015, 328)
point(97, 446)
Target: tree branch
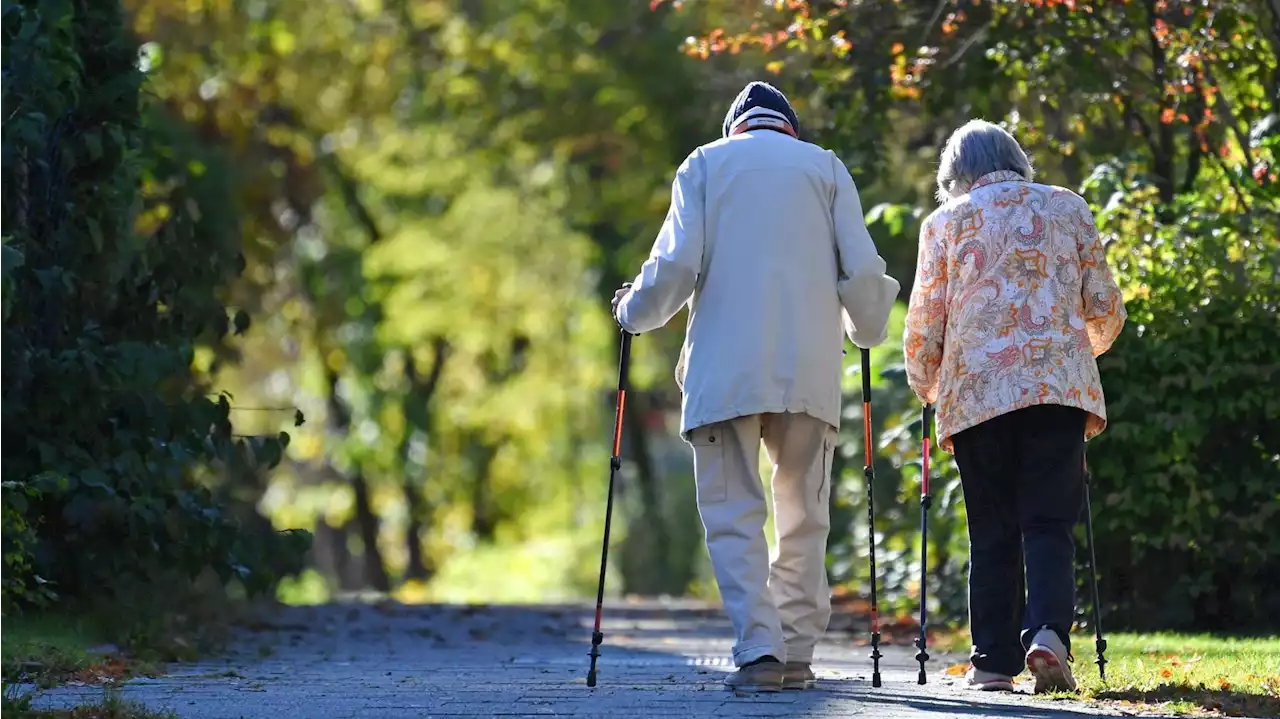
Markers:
point(1198, 106)
point(1230, 117)
point(1163, 161)
point(424, 387)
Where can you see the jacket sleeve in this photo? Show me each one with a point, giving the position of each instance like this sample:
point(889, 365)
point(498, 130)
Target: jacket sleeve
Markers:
point(1104, 312)
point(866, 292)
point(926, 324)
point(667, 278)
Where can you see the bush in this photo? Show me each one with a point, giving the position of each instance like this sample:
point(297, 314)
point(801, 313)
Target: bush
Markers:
point(111, 273)
point(1186, 498)
point(1186, 474)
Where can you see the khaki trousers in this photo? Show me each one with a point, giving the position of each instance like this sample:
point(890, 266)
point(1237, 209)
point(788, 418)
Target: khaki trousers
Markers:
point(780, 607)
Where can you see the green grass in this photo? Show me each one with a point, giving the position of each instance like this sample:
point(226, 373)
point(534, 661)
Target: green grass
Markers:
point(1185, 674)
point(46, 649)
point(111, 706)
point(1182, 674)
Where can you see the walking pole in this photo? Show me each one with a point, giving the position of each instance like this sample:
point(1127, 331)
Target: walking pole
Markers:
point(615, 463)
point(922, 642)
point(869, 473)
point(1099, 644)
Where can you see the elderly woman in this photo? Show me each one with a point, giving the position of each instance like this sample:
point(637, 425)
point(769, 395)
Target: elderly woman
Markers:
point(1013, 301)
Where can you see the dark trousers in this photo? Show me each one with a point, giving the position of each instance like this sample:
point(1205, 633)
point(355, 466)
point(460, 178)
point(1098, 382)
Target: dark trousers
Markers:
point(1023, 478)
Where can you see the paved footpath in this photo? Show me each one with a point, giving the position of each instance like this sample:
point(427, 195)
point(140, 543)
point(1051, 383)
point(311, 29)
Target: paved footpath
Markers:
point(660, 659)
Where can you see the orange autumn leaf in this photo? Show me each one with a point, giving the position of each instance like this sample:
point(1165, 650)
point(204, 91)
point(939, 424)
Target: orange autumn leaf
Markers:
point(1166, 673)
point(897, 48)
point(1223, 684)
point(1166, 117)
point(957, 670)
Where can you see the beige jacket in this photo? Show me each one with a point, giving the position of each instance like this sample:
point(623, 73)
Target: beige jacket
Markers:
point(766, 243)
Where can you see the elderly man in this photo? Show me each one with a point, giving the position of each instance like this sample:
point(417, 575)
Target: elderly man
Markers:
point(766, 243)
point(1012, 303)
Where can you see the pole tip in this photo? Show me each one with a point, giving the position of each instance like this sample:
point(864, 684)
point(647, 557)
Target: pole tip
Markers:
point(921, 679)
point(591, 678)
point(875, 680)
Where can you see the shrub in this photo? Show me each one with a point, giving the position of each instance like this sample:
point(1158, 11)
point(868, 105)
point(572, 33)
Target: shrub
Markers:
point(117, 281)
point(1187, 474)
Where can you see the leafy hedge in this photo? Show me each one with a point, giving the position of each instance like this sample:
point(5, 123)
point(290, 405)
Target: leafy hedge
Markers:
point(1188, 480)
point(111, 272)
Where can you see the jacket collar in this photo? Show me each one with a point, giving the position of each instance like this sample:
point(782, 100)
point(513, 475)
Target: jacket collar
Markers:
point(998, 176)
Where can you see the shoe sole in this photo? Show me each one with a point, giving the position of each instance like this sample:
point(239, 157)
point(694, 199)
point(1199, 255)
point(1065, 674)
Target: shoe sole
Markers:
point(1049, 672)
point(799, 685)
point(992, 687)
point(756, 689)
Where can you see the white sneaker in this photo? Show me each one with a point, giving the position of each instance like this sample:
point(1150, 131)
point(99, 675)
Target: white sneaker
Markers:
point(984, 681)
point(1050, 662)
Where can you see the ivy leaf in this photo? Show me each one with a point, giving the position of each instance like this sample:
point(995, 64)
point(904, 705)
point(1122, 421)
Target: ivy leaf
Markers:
point(10, 259)
point(241, 322)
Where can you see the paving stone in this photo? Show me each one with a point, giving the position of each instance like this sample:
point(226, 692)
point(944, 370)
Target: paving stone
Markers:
point(660, 659)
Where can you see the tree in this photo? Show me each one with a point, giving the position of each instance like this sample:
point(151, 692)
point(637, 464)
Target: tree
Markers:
point(429, 192)
point(1163, 113)
point(118, 247)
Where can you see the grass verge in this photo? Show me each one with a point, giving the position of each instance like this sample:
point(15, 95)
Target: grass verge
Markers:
point(106, 645)
point(45, 650)
point(111, 706)
point(1186, 674)
point(1180, 674)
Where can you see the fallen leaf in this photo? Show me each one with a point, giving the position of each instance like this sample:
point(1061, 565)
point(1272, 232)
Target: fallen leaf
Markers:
point(1166, 673)
point(957, 670)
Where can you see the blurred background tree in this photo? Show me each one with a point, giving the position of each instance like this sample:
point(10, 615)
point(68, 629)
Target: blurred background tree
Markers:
point(390, 228)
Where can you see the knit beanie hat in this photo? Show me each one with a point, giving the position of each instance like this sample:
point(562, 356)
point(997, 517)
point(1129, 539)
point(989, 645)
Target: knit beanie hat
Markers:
point(763, 103)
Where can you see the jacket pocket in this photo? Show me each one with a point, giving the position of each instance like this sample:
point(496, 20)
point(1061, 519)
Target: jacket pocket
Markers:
point(709, 470)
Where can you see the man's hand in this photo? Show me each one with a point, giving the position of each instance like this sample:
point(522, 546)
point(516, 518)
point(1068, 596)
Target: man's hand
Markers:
point(617, 297)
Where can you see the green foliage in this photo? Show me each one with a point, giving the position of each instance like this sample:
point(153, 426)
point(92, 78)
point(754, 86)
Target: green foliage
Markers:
point(432, 201)
point(896, 426)
point(1187, 473)
point(437, 197)
point(116, 287)
point(1174, 103)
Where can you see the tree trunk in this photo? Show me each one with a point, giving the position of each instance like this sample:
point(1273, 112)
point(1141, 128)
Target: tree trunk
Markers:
point(482, 520)
point(338, 420)
point(422, 388)
point(1162, 161)
point(654, 522)
point(417, 568)
point(375, 572)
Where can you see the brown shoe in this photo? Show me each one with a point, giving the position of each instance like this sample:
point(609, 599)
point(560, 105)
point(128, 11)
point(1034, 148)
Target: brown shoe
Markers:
point(798, 675)
point(761, 677)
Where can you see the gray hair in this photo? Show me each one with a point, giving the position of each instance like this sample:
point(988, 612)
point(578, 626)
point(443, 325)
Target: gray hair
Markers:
point(974, 150)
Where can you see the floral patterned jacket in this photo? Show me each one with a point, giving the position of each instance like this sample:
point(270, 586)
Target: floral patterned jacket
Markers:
point(1013, 301)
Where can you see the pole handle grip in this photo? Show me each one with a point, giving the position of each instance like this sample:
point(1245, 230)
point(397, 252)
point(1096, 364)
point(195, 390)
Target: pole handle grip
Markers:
point(866, 375)
point(624, 360)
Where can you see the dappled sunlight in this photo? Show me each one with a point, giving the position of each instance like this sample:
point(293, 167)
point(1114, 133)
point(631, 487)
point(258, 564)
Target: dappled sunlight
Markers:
point(309, 302)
